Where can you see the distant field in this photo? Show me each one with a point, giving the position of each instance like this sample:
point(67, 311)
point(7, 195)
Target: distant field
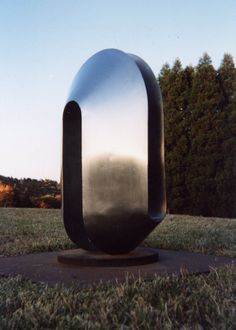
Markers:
point(183, 302)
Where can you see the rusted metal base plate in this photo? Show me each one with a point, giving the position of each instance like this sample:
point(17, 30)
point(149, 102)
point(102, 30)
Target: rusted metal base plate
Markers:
point(44, 267)
point(79, 257)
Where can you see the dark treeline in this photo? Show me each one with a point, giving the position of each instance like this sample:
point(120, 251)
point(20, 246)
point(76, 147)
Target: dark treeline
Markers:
point(29, 193)
point(200, 137)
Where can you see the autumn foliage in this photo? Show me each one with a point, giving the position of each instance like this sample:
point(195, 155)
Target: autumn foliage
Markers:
point(6, 194)
point(29, 193)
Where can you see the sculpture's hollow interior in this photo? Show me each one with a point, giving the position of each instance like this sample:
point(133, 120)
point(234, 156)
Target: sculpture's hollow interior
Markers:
point(109, 154)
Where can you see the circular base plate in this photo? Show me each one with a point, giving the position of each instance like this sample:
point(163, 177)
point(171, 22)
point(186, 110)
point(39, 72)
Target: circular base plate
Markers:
point(79, 257)
point(44, 267)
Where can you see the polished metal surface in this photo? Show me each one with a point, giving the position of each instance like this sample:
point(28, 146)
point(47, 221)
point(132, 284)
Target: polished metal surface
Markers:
point(113, 153)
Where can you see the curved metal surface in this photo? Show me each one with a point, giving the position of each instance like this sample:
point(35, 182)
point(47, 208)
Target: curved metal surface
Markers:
point(113, 163)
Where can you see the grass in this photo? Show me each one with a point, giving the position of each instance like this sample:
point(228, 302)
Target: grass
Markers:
point(197, 234)
point(184, 302)
point(33, 230)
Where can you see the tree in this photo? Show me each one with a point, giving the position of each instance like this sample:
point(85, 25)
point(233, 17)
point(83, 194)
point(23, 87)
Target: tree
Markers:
point(29, 192)
point(176, 85)
point(6, 195)
point(226, 174)
point(204, 155)
point(200, 137)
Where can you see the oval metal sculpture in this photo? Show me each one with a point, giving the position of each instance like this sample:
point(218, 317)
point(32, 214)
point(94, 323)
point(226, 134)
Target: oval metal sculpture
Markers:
point(113, 184)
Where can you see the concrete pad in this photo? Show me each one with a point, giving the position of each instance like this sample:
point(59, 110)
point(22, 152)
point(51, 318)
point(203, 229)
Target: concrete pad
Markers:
point(44, 267)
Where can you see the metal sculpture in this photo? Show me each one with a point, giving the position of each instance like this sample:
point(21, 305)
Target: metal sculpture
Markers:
point(113, 183)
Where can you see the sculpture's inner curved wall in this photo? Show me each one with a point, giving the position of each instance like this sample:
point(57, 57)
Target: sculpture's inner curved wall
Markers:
point(72, 172)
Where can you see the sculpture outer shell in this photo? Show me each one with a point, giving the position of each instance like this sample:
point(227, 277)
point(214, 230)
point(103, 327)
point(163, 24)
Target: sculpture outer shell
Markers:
point(113, 154)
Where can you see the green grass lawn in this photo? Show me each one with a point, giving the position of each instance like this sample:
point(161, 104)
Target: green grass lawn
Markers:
point(184, 302)
point(31, 230)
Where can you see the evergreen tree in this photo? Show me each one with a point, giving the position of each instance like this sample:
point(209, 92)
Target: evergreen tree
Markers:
point(200, 137)
point(226, 174)
point(176, 85)
point(204, 154)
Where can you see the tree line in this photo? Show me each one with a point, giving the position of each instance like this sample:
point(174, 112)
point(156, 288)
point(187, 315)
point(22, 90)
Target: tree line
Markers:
point(29, 193)
point(200, 137)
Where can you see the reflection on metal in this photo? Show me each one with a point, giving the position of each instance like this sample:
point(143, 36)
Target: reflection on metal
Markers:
point(113, 154)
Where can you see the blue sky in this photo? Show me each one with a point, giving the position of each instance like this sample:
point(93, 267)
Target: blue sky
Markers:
point(43, 43)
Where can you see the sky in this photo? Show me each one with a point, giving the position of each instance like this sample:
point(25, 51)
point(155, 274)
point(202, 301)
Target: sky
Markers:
point(43, 43)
